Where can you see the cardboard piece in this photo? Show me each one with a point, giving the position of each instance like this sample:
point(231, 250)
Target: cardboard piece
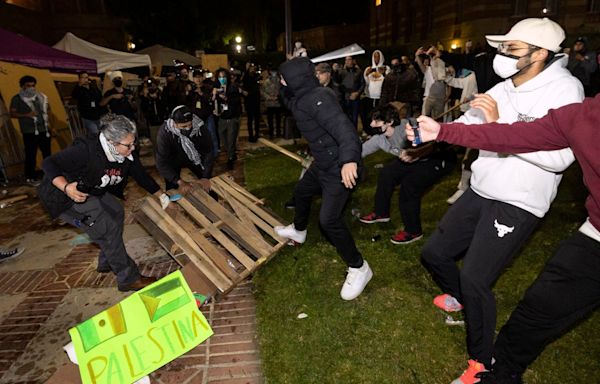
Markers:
point(140, 334)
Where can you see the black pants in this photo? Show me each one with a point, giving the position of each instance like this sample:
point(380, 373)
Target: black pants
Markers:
point(414, 179)
point(32, 142)
point(274, 112)
point(106, 214)
point(253, 113)
point(566, 291)
point(366, 108)
point(334, 198)
point(489, 233)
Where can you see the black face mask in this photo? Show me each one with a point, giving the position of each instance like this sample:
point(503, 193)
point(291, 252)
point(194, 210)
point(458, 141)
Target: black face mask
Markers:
point(118, 82)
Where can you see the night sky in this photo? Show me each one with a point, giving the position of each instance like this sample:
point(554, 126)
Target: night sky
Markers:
point(190, 25)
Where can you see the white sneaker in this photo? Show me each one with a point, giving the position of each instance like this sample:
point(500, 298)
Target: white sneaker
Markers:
point(290, 232)
point(356, 281)
point(452, 199)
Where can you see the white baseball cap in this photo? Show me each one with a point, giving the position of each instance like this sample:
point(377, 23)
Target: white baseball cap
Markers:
point(543, 33)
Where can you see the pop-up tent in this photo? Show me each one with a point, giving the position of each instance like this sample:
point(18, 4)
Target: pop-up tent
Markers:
point(161, 55)
point(18, 49)
point(107, 59)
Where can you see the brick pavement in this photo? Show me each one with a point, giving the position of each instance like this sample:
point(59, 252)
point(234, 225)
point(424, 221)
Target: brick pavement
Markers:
point(231, 356)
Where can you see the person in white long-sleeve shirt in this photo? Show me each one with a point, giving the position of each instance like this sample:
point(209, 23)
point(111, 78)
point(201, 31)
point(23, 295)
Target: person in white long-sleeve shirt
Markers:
point(509, 193)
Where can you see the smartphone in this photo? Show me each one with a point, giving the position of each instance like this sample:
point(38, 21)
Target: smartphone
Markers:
point(415, 126)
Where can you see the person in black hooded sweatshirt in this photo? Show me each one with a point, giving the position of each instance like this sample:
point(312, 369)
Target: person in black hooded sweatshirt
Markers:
point(336, 148)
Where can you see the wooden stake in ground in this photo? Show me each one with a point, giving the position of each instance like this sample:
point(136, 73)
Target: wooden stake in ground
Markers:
point(305, 162)
point(11, 200)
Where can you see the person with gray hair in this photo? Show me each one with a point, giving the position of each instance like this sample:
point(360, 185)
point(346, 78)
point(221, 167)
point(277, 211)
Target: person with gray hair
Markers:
point(80, 184)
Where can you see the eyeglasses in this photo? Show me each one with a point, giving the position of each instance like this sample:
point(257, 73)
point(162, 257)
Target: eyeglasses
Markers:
point(128, 146)
point(508, 50)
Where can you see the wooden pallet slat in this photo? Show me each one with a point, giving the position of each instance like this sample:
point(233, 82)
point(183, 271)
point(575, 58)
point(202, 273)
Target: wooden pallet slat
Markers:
point(225, 240)
point(196, 255)
point(253, 241)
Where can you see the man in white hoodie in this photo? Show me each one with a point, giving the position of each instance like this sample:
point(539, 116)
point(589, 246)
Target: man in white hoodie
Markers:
point(374, 76)
point(509, 193)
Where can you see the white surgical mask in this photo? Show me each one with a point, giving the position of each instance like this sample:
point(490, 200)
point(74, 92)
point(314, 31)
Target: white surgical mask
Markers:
point(505, 66)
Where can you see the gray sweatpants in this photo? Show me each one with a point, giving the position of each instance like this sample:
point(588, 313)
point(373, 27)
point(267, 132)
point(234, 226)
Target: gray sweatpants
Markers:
point(101, 217)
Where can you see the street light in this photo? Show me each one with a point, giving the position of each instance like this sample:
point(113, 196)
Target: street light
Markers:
point(238, 48)
point(238, 39)
point(130, 45)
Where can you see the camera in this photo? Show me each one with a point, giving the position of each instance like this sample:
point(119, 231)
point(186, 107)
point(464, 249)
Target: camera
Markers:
point(84, 187)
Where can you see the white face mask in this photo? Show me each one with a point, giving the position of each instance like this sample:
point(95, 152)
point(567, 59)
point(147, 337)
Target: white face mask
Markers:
point(505, 67)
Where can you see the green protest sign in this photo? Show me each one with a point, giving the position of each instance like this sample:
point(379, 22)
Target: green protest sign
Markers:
point(140, 334)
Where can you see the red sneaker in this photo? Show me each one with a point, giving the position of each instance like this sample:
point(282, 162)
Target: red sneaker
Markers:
point(372, 218)
point(447, 303)
point(404, 237)
point(469, 376)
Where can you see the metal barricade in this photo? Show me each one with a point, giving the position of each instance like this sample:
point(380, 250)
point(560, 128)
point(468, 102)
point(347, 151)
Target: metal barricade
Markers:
point(75, 124)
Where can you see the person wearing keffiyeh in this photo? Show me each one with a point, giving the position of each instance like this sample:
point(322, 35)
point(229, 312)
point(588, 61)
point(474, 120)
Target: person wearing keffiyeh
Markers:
point(82, 183)
point(32, 110)
point(184, 142)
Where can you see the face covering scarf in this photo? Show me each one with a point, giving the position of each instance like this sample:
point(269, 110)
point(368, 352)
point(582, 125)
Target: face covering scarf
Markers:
point(36, 102)
point(186, 143)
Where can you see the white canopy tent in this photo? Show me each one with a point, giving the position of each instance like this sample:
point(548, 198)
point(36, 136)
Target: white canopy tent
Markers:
point(164, 56)
point(107, 59)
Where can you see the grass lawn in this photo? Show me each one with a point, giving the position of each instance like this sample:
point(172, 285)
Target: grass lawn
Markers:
point(392, 333)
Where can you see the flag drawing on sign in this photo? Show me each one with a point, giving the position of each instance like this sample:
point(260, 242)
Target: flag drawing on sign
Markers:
point(164, 299)
point(102, 327)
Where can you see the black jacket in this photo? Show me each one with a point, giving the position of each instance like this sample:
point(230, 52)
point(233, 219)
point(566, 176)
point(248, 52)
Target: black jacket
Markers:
point(85, 162)
point(154, 109)
point(331, 136)
point(400, 86)
point(170, 156)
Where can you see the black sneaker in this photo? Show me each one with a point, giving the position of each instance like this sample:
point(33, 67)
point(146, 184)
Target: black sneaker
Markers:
point(6, 254)
point(498, 377)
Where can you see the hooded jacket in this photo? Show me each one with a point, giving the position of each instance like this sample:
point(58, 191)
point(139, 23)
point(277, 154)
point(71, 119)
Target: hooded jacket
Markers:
point(374, 76)
point(530, 180)
point(331, 136)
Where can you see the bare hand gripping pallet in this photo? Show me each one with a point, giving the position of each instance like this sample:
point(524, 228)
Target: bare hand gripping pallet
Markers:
point(219, 243)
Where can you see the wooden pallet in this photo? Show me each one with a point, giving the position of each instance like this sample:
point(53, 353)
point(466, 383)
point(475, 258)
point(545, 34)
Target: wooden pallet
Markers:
point(226, 240)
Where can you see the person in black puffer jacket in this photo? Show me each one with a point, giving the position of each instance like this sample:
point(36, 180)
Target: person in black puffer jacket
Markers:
point(336, 148)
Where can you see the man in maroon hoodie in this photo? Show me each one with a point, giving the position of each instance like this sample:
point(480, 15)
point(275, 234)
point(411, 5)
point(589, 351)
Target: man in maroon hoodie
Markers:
point(568, 288)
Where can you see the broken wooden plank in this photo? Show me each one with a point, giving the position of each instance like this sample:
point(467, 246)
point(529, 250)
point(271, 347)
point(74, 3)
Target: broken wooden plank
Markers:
point(243, 199)
point(217, 255)
point(165, 241)
point(252, 241)
point(229, 180)
point(216, 233)
point(195, 254)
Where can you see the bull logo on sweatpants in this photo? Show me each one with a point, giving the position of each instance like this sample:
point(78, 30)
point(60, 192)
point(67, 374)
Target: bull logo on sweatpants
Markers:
point(502, 229)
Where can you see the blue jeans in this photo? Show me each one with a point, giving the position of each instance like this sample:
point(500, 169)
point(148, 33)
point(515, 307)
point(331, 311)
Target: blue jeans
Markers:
point(211, 125)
